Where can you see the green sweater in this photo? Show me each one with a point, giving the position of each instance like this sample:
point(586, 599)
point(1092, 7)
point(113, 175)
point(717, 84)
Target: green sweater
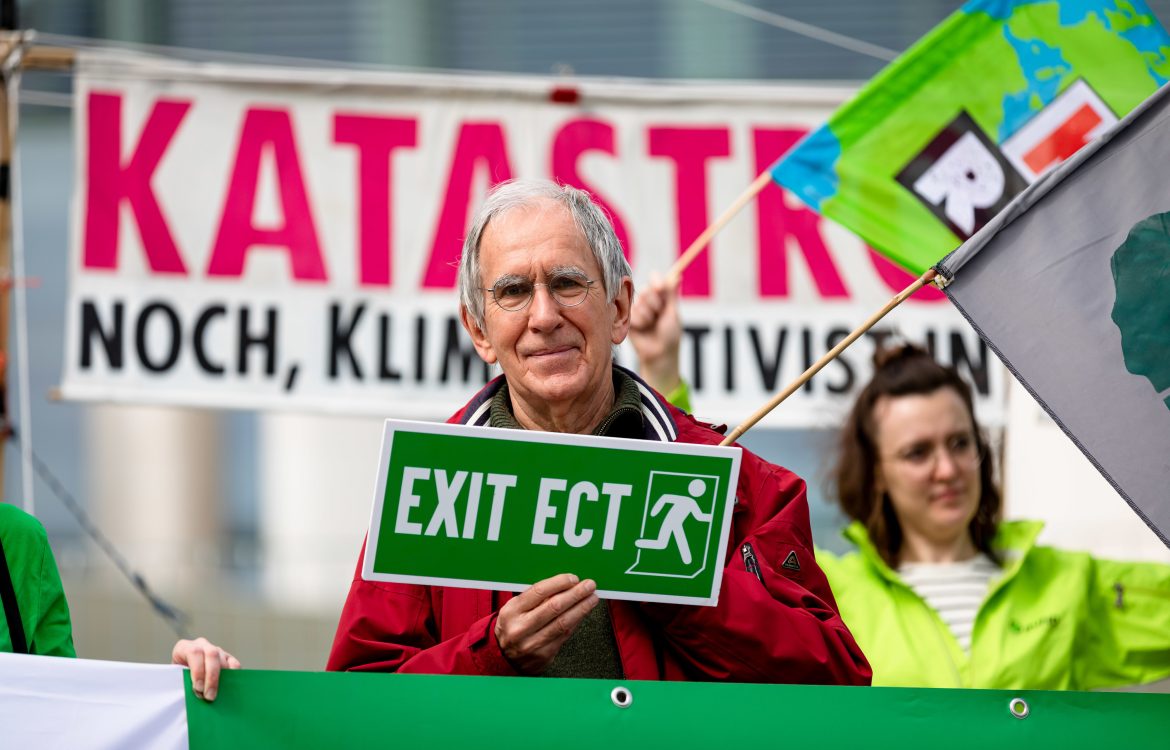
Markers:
point(43, 610)
point(1054, 620)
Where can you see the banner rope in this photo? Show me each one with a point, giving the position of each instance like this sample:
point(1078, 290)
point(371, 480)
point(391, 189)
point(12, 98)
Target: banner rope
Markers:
point(173, 616)
point(801, 28)
point(193, 54)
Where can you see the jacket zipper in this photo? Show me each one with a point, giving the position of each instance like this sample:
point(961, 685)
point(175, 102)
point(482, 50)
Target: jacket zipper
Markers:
point(749, 561)
point(942, 632)
point(603, 428)
point(1120, 589)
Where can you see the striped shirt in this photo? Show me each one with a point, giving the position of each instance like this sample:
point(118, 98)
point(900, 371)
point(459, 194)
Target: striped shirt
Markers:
point(954, 590)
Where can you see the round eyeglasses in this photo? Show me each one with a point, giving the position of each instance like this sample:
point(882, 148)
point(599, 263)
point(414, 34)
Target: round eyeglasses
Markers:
point(513, 294)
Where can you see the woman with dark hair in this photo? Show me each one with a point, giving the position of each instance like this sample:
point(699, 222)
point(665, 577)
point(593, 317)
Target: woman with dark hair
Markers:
point(940, 592)
point(908, 394)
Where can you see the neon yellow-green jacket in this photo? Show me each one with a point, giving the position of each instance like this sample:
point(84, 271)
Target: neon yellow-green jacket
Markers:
point(1054, 620)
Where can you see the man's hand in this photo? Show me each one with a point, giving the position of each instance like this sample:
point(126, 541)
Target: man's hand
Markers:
point(205, 660)
point(655, 332)
point(532, 627)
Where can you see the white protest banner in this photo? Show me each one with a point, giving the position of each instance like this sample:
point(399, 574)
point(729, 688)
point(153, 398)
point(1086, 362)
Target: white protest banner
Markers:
point(250, 237)
point(84, 704)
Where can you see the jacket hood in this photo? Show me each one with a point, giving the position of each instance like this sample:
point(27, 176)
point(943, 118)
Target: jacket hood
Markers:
point(1013, 540)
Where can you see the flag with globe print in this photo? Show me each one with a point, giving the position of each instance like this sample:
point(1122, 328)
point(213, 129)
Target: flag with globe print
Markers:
point(1141, 307)
point(1070, 286)
point(998, 94)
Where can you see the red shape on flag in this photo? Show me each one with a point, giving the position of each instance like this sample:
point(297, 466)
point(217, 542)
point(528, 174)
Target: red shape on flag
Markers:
point(1065, 141)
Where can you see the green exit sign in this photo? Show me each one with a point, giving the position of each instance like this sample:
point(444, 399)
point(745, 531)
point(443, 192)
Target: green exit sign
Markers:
point(478, 507)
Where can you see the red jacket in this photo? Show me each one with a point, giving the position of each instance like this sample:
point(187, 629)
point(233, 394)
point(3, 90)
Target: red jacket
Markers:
point(780, 625)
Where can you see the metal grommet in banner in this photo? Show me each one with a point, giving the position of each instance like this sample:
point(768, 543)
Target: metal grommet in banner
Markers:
point(1018, 708)
point(621, 697)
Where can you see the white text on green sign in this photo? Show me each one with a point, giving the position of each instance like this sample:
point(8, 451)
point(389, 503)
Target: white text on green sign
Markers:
point(500, 509)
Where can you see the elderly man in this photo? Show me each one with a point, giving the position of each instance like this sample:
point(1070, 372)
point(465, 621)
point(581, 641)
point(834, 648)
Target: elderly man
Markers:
point(546, 293)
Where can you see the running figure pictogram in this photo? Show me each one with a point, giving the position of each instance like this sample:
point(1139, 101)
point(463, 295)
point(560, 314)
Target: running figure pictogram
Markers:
point(681, 508)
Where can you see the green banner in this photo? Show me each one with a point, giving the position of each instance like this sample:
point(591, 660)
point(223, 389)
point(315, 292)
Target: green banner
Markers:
point(501, 509)
point(945, 136)
point(292, 710)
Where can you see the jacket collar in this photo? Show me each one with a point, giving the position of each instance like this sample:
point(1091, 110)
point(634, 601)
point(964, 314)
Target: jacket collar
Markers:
point(1013, 540)
point(657, 422)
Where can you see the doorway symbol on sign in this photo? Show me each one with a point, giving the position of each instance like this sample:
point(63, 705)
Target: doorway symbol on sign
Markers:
point(681, 508)
point(678, 520)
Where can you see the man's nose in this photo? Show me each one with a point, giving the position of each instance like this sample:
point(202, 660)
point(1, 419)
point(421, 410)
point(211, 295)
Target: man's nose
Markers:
point(543, 311)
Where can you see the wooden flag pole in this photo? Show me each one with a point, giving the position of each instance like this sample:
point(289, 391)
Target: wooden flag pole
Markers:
point(701, 241)
point(49, 58)
point(922, 281)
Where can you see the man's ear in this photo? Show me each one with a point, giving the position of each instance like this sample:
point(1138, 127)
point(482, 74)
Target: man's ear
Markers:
point(621, 310)
point(478, 337)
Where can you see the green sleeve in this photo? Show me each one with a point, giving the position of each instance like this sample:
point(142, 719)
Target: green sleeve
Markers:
point(1127, 630)
point(39, 594)
point(680, 397)
point(828, 562)
point(53, 632)
point(846, 580)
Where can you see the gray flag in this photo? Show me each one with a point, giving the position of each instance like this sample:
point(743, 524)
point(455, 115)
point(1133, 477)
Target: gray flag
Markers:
point(1070, 285)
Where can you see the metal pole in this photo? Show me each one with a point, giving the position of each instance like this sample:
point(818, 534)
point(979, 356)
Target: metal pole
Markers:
point(7, 14)
point(8, 20)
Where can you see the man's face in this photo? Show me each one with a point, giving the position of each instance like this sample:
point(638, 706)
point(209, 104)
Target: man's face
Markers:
point(554, 357)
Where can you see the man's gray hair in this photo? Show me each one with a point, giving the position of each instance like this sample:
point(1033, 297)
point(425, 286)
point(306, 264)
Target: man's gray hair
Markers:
point(587, 215)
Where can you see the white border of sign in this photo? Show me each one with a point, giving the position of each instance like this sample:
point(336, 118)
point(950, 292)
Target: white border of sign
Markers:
point(644, 446)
